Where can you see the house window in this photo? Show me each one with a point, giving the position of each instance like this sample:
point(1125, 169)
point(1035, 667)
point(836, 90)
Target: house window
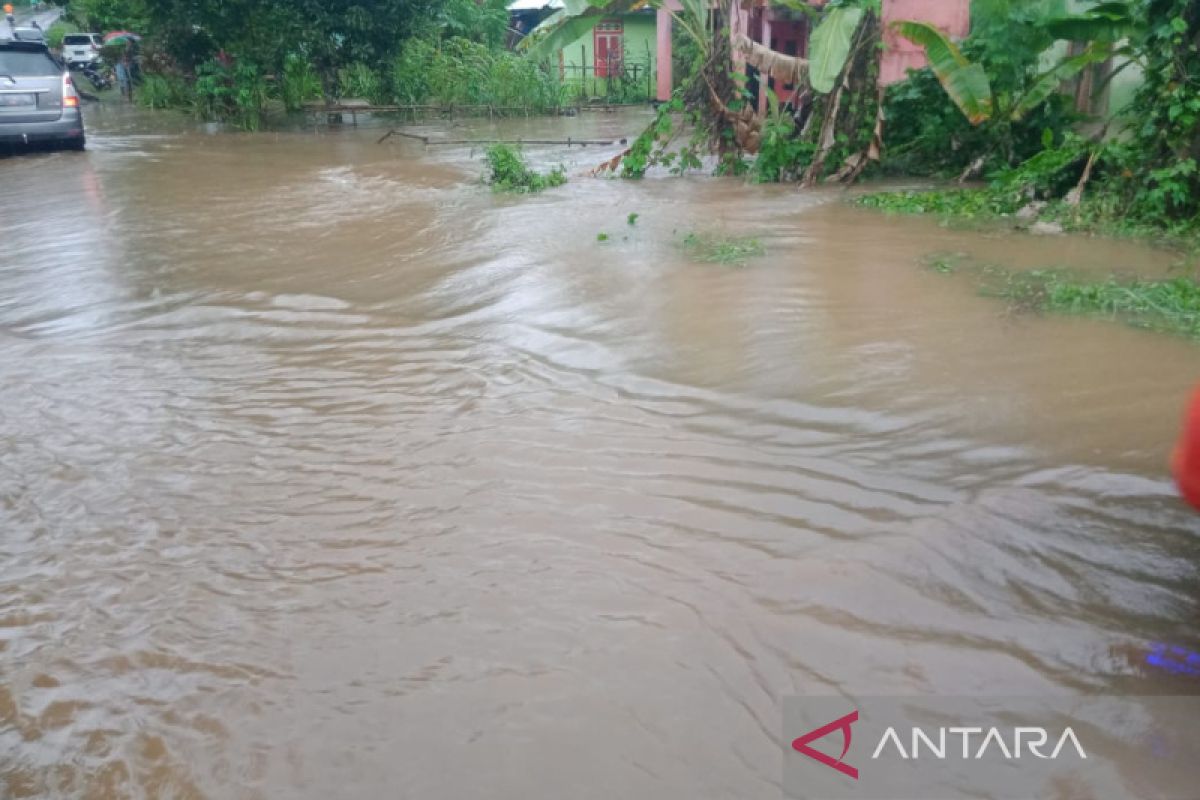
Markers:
point(609, 39)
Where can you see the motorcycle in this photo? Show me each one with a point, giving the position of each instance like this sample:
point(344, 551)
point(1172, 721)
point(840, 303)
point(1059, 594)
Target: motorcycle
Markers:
point(99, 79)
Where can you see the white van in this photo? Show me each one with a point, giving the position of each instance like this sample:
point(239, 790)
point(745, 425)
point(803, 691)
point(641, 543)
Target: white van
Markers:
point(81, 48)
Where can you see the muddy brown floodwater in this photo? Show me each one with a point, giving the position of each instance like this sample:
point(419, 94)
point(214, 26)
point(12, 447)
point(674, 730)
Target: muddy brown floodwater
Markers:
point(324, 472)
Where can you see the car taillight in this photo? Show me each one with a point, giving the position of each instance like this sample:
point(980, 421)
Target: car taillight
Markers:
point(70, 99)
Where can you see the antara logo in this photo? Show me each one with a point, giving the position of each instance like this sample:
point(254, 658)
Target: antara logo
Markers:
point(843, 724)
point(935, 743)
point(1033, 738)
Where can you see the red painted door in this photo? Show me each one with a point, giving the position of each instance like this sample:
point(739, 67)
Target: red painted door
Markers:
point(609, 48)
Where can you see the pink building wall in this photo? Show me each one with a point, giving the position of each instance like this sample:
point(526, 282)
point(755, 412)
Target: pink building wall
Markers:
point(901, 55)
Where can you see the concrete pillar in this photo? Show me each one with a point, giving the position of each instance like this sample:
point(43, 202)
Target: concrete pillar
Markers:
point(764, 79)
point(663, 58)
point(739, 24)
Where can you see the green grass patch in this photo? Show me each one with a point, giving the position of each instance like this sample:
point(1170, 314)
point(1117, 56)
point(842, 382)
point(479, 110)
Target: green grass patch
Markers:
point(967, 203)
point(718, 249)
point(1171, 305)
point(508, 172)
point(995, 204)
point(1168, 305)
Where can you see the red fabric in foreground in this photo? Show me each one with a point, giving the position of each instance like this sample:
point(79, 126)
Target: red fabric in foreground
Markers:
point(1186, 461)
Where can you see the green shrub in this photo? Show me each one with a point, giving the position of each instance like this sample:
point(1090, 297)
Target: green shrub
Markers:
point(360, 81)
point(213, 91)
point(239, 95)
point(508, 172)
point(410, 71)
point(55, 34)
point(163, 91)
point(782, 154)
point(298, 83)
point(459, 72)
point(249, 96)
point(927, 134)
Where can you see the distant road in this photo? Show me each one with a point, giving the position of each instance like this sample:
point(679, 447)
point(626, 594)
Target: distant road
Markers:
point(25, 18)
point(44, 18)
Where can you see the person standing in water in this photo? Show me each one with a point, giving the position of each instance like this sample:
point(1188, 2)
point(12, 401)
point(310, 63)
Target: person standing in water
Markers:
point(124, 71)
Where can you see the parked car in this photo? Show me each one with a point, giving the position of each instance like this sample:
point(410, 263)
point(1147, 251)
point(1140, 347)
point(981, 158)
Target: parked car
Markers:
point(38, 101)
point(29, 34)
point(81, 48)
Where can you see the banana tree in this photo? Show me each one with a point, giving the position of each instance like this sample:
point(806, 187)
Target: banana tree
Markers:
point(967, 83)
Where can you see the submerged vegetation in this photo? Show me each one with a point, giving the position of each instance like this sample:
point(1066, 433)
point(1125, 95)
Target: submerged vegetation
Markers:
point(966, 203)
point(722, 249)
point(1169, 305)
point(508, 172)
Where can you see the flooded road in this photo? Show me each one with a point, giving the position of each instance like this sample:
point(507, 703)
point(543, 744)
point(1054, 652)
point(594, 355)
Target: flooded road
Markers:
point(324, 472)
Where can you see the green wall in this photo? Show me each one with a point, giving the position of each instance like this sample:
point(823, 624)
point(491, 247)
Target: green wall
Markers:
point(640, 43)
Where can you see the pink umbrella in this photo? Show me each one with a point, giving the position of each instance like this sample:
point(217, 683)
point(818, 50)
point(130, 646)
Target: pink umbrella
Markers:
point(117, 36)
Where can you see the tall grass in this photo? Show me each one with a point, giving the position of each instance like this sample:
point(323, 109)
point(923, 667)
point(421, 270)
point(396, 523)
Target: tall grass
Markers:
point(459, 72)
point(163, 91)
point(456, 72)
point(298, 82)
point(360, 81)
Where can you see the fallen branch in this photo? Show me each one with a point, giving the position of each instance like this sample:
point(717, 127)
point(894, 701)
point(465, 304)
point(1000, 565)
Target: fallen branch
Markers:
point(394, 132)
point(973, 169)
point(610, 165)
point(1074, 196)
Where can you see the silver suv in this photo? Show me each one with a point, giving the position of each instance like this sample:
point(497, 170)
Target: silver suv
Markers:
point(38, 102)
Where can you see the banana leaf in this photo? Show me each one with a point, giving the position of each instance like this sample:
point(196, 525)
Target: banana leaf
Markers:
point(1107, 22)
point(966, 83)
point(1049, 81)
point(829, 46)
